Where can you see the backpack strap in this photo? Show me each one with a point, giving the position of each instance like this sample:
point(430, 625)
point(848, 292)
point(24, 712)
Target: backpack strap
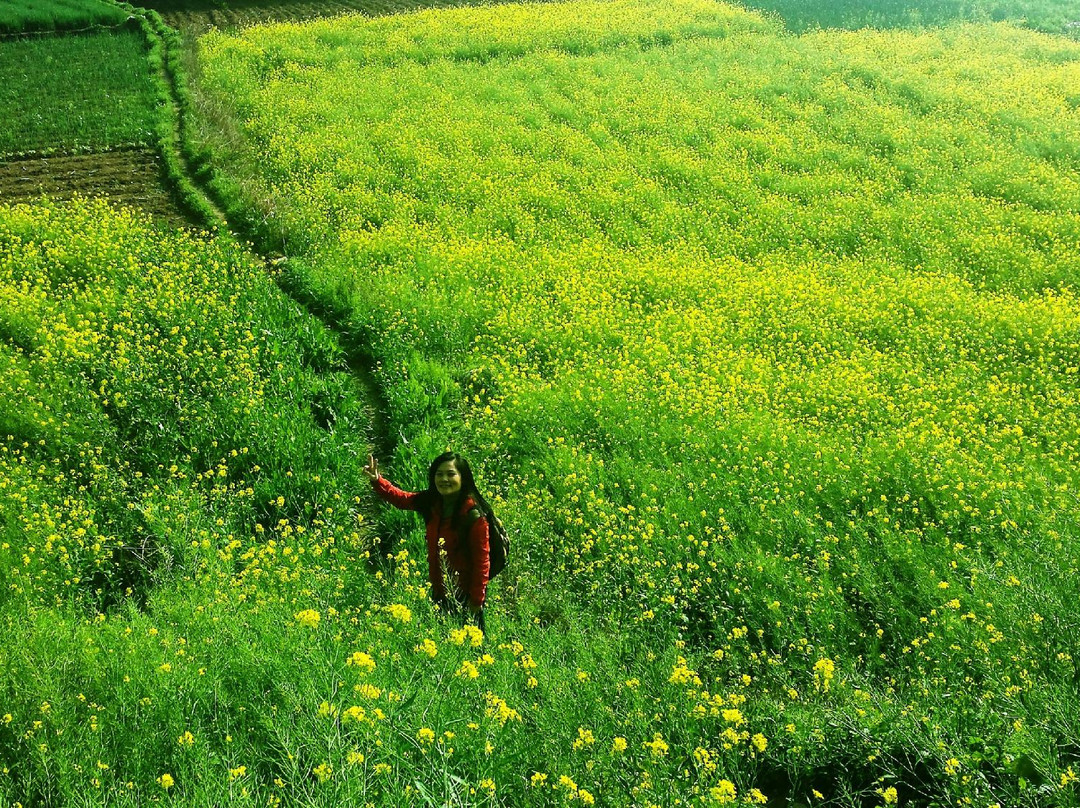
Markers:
point(471, 517)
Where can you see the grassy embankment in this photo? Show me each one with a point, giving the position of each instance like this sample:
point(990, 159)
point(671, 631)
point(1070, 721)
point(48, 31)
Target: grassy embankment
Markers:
point(768, 345)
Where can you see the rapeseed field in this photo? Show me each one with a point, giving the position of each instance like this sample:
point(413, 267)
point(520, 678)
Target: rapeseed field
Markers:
point(766, 343)
point(765, 346)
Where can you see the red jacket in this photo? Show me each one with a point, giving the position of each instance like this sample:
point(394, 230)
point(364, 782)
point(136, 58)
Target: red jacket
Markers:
point(469, 561)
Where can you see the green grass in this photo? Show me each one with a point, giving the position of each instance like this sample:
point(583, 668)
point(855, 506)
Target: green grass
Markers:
point(18, 16)
point(76, 92)
point(1049, 16)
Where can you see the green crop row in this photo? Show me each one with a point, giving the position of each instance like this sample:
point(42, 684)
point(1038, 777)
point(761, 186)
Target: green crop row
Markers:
point(766, 345)
point(19, 16)
point(76, 92)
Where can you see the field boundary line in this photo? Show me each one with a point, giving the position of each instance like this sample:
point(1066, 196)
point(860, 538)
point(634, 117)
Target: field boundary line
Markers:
point(168, 77)
point(132, 20)
point(200, 199)
point(60, 151)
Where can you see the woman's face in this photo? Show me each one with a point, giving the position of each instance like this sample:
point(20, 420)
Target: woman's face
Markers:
point(447, 479)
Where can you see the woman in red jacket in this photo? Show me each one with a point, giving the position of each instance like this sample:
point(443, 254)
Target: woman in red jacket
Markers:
point(445, 505)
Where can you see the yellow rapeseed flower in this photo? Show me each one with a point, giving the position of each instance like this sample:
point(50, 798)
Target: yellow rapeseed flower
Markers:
point(657, 746)
point(723, 792)
point(400, 612)
point(361, 660)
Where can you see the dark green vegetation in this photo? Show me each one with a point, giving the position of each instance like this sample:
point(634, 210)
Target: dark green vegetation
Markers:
point(1050, 16)
point(89, 91)
point(18, 16)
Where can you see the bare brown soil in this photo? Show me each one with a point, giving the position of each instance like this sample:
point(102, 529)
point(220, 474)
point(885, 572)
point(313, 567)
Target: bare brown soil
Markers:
point(198, 18)
point(131, 177)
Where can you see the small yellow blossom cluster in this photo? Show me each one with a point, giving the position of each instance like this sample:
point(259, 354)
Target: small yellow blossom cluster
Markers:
point(362, 661)
point(723, 792)
point(468, 670)
point(682, 675)
point(524, 661)
point(468, 633)
point(657, 746)
point(568, 788)
point(824, 672)
point(368, 691)
point(400, 612)
point(498, 709)
point(888, 795)
point(584, 739)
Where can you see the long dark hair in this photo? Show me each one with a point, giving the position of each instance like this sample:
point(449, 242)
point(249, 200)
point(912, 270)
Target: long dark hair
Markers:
point(468, 488)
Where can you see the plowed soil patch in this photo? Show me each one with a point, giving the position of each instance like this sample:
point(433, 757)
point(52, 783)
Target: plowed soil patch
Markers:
point(131, 177)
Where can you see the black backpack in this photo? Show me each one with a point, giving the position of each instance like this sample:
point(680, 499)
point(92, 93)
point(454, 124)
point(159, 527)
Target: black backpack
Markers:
point(498, 539)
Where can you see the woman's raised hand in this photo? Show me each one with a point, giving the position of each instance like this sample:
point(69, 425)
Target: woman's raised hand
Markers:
point(372, 468)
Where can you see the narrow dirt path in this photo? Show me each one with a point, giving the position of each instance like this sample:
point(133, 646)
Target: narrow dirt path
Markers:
point(277, 264)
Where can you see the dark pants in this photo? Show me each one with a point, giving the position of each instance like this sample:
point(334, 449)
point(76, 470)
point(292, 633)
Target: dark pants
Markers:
point(458, 604)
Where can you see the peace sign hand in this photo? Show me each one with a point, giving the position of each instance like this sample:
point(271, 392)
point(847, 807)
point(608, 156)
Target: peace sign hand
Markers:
point(372, 468)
